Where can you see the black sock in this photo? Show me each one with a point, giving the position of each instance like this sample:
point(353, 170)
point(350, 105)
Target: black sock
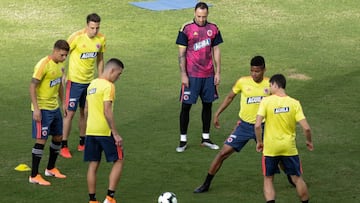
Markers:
point(208, 179)
point(92, 197)
point(54, 152)
point(111, 193)
point(37, 152)
point(182, 143)
point(82, 140)
point(271, 201)
point(64, 143)
point(305, 201)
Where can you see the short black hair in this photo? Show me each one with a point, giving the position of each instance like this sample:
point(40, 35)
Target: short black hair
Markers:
point(93, 17)
point(115, 61)
point(62, 45)
point(278, 79)
point(258, 61)
point(201, 5)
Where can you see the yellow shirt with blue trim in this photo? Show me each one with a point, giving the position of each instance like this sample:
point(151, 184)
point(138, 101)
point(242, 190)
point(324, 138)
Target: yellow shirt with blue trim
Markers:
point(251, 95)
point(49, 74)
point(281, 115)
point(99, 91)
point(83, 55)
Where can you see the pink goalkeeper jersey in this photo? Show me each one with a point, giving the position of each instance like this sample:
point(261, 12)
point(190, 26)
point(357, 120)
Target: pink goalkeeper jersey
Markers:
point(199, 41)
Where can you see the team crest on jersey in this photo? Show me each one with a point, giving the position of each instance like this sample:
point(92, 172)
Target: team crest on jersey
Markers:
point(195, 33)
point(55, 82)
point(209, 33)
point(254, 100)
point(88, 55)
point(98, 46)
point(281, 110)
point(267, 91)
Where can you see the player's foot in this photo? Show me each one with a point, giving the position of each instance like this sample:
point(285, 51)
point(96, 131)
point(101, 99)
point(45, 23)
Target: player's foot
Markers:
point(202, 188)
point(290, 181)
point(81, 148)
point(209, 144)
point(109, 199)
point(94, 202)
point(54, 172)
point(39, 180)
point(65, 152)
point(182, 146)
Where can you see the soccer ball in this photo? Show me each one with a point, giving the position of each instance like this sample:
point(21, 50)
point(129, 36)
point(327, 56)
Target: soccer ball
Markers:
point(167, 197)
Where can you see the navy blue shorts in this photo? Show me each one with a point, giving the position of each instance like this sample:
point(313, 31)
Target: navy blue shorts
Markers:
point(241, 135)
point(292, 165)
point(51, 124)
point(75, 95)
point(94, 145)
point(203, 87)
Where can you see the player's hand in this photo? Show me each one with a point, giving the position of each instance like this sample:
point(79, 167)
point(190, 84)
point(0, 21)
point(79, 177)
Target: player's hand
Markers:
point(259, 147)
point(310, 146)
point(185, 80)
point(118, 139)
point(37, 115)
point(216, 122)
point(217, 79)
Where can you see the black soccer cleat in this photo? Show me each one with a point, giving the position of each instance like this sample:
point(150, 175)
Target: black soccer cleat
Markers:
point(290, 181)
point(202, 188)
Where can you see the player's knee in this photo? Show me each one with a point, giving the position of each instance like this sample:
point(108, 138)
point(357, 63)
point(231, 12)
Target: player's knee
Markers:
point(185, 107)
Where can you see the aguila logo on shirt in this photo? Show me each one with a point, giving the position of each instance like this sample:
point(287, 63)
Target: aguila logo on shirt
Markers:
point(254, 100)
point(92, 91)
point(281, 110)
point(55, 82)
point(88, 55)
point(202, 44)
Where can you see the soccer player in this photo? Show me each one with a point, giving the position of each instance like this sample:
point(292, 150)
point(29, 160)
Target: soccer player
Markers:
point(252, 89)
point(101, 132)
point(86, 47)
point(45, 91)
point(281, 113)
point(198, 43)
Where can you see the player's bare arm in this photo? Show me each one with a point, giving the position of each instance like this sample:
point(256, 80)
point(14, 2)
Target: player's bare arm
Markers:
point(258, 133)
point(217, 60)
point(37, 113)
point(100, 63)
point(109, 115)
point(227, 101)
point(182, 65)
point(307, 132)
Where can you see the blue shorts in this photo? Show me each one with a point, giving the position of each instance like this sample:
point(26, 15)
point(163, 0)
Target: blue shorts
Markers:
point(75, 95)
point(292, 165)
point(241, 135)
point(51, 124)
point(94, 145)
point(203, 87)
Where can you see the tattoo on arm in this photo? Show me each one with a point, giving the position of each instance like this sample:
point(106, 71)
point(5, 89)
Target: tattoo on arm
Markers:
point(182, 62)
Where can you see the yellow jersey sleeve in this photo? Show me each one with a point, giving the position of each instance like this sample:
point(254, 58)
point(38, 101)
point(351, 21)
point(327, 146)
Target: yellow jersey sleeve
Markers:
point(83, 55)
point(49, 74)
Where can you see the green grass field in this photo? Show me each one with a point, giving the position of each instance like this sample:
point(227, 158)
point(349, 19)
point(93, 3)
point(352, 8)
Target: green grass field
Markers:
point(314, 43)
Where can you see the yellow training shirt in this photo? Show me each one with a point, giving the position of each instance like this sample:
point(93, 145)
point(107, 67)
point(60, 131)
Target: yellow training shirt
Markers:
point(49, 74)
point(83, 55)
point(281, 115)
point(251, 95)
point(99, 91)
